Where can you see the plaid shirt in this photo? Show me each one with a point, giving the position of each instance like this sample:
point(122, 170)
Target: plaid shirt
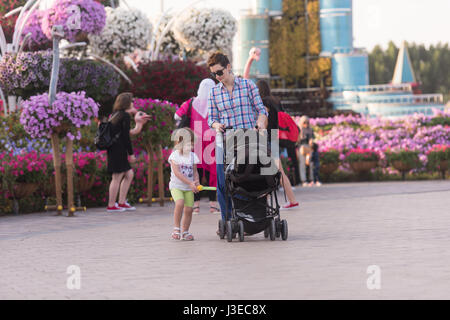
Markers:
point(241, 111)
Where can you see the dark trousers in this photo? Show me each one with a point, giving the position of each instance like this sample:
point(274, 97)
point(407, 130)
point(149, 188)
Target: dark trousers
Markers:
point(291, 150)
point(211, 194)
point(316, 172)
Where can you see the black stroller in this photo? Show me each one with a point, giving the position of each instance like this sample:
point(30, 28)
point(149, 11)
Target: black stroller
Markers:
point(253, 191)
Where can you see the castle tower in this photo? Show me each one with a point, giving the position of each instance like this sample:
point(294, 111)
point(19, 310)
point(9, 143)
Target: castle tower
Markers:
point(404, 72)
point(254, 32)
point(350, 66)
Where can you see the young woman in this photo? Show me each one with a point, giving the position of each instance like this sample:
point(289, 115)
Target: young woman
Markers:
point(120, 154)
point(306, 138)
point(270, 104)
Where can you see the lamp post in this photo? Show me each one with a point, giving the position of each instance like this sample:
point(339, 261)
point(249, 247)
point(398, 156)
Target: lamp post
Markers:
point(57, 34)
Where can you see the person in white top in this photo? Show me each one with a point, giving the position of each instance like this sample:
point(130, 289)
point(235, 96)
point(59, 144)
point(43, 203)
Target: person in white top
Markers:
point(184, 181)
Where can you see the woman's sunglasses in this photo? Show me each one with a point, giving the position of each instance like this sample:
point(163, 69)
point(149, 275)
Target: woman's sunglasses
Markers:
point(218, 73)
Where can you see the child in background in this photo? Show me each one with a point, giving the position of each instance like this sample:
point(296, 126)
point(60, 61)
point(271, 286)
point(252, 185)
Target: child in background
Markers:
point(183, 182)
point(315, 162)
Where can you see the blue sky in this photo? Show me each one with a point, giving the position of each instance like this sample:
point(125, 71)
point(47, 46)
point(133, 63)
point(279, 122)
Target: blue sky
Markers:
point(375, 21)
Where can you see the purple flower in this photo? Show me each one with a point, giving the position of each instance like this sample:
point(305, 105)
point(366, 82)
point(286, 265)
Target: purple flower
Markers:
point(65, 109)
point(92, 16)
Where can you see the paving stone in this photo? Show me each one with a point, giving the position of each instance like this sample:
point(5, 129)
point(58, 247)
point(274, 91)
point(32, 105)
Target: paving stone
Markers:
point(337, 232)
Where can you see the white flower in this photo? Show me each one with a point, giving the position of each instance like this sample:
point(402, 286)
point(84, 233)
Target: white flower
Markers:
point(125, 31)
point(205, 30)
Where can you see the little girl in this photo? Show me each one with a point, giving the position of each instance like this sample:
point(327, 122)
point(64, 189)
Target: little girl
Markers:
point(183, 182)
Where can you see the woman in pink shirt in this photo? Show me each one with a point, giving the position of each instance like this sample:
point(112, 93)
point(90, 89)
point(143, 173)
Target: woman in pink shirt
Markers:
point(204, 146)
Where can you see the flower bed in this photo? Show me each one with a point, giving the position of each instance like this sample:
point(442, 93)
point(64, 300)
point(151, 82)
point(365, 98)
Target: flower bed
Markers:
point(417, 132)
point(92, 166)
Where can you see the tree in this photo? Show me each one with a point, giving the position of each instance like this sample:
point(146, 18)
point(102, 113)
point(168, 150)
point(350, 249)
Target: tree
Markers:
point(292, 39)
point(431, 66)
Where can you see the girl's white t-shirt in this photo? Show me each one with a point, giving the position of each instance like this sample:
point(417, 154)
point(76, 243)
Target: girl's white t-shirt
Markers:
point(186, 165)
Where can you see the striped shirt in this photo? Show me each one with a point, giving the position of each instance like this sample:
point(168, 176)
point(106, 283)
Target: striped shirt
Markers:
point(239, 111)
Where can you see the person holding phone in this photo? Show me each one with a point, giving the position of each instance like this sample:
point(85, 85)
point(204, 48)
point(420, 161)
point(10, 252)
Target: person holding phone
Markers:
point(120, 154)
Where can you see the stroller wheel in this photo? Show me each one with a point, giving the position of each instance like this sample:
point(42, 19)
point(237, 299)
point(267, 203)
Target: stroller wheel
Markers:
point(221, 229)
point(284, 230)
point(229, 231)
point(241, 231)
point(272, 230)
point(278, 228)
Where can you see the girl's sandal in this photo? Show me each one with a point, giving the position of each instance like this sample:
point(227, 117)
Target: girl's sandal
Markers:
point(214, 210)
point(196, 210)
point(187, 236)
point(176, 234)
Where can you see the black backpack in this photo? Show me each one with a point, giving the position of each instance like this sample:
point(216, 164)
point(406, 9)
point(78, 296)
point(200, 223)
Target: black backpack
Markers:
point(185, 121)
point(103, 139)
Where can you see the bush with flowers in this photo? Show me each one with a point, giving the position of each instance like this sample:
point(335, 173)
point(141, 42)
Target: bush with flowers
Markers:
point(85, 165)
point(69, 110)
point(124, 32)
point(205, 30)
point(29, 167)
point(329, 156)
point(158, 130)
point(408, 159)
point(439, 157)
point(20, 176)
point(63, 12)
point(175, 81)
point(358, 154)
point(98, 195)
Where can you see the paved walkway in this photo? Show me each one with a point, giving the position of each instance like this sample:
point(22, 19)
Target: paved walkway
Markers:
point(339, 231)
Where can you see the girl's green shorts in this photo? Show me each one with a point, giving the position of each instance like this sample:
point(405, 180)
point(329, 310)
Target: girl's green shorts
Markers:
point(187, 196)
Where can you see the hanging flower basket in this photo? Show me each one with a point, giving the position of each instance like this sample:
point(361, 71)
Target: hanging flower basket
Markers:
point(82, 37)
point(69, 112)
point(402, 166)
point(85, 184)
point(329, 161)
point(439, 158)
point(443, 165)
point(62, 129)
point(328, 168)
point(48, 187)
point(362, 160)
point(24, 189)
point(363, 166)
